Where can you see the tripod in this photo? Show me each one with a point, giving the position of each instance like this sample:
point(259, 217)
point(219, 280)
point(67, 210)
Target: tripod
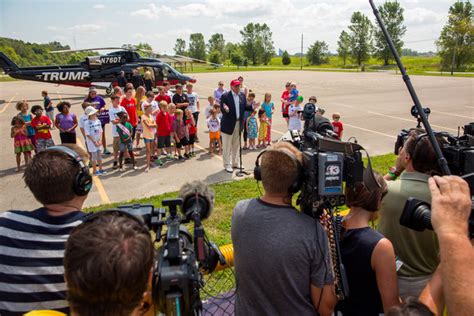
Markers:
point(241, 172)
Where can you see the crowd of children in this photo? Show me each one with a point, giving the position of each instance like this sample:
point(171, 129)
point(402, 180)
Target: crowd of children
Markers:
point(168, 129)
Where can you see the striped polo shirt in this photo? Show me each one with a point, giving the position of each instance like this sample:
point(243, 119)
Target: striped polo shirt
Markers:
point(31, 260)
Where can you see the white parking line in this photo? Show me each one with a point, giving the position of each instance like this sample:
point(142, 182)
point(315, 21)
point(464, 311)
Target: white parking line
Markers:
point(369, 130)
point(457, 115)
point(412, 121)
point(8, 103)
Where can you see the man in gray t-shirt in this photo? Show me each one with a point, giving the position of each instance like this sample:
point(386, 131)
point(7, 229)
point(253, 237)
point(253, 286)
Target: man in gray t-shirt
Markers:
point(280, 255)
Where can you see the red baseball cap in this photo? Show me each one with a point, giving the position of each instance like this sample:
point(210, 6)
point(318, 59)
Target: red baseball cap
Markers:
point(235, 83)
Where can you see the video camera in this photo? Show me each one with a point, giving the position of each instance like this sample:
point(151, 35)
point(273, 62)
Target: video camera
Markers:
point(182, 258)
point(328, 163)
point(459, 153)
point(455, 156)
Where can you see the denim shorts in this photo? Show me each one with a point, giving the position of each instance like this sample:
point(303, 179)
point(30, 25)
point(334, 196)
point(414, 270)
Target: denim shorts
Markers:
point(125, 146)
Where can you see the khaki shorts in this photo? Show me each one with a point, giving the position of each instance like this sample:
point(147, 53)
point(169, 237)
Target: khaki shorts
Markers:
point(116, 144)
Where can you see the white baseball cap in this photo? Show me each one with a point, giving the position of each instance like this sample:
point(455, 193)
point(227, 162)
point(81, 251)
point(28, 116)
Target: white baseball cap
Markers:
point(90, 110)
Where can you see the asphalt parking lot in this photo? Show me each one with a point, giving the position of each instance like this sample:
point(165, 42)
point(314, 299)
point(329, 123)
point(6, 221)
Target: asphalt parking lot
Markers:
point(373, 107)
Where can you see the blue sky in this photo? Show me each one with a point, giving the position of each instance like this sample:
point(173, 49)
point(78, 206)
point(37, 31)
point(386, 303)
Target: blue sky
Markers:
point(111, 23)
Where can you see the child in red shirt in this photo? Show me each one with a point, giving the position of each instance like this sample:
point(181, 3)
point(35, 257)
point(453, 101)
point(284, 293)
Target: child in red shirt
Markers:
point(338, 127)
point(163, 132)
point(192, 130)
point(42, 124)
point(130, 105)
point(162, 96)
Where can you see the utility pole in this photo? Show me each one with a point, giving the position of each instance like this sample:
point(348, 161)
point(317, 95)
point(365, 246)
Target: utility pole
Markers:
point(453, 60)
point(301, 53)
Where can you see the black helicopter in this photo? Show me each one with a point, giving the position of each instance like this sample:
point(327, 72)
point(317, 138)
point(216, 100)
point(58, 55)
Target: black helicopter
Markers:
point(100, 71)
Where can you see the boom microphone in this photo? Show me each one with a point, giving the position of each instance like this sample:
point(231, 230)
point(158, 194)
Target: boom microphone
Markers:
point(197, 197)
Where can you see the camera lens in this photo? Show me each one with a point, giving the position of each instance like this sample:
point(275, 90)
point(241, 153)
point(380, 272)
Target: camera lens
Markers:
point(422, 217)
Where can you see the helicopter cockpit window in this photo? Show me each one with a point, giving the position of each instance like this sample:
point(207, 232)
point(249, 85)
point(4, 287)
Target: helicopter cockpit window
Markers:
point(166, 71)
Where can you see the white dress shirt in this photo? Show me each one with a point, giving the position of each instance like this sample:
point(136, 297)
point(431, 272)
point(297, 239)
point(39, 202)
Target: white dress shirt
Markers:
point(237, 104)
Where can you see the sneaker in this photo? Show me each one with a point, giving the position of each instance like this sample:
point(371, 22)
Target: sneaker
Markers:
point(135, 168)
point(122, 169)
point(147, 169)
point(170, 157)
point(180, 157)
point(97, 173)
point(106, 152)
point(115, 166)
point(159, 162)
point(102, 172)
point(186, 156)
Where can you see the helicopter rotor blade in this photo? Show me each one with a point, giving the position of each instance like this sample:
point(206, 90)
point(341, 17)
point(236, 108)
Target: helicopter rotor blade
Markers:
point(200, 60)
point(82, 50)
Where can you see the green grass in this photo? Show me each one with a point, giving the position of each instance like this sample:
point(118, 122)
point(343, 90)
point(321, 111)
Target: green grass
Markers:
point(5, 78)
point(417, 65)
point(227, 195)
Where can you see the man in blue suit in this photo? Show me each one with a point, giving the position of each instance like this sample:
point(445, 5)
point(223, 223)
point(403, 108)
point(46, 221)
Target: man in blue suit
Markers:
point(233, 105)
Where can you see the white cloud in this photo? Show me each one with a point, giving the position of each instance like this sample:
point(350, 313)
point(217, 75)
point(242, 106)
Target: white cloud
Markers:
point(86, 28)
point(417, 16)
point(98, 6)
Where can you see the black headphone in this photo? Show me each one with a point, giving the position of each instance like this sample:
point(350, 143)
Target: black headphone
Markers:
point(296, 185)
point(83, 181)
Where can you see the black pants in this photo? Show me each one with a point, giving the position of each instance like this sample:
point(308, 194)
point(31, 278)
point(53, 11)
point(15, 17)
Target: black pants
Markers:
point(196, 117)
point(149, 85)
point(68, 138)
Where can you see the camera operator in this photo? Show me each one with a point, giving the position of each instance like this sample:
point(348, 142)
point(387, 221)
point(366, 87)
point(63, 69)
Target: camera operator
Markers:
point(451, 207)
point(417, 252)
point(32, 242)
point(281, 255)
point(107, 262)
point(368, 257)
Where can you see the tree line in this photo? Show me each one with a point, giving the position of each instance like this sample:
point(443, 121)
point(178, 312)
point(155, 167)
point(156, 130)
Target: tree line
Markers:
point(361, 41)
point(32, 54)
point(255, 48)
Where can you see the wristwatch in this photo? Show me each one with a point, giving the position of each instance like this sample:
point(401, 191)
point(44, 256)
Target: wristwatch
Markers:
point(393, 172)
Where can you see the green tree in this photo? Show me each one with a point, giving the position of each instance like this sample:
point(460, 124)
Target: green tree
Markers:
point(266, 43)
point(237, 57)
point(361, 37)
point(344, 46)
point(197, 46)
point(318, 53)
point(215, 57)
point(285, 58)
point(249, 43)
point(456, 41)
point(228, 49)
point(148, 51)
point(392, 15)
point(180, 47)
point(257, 43)
point(216, 43)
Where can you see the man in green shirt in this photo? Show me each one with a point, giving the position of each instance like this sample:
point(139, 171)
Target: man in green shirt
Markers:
point(417, 252)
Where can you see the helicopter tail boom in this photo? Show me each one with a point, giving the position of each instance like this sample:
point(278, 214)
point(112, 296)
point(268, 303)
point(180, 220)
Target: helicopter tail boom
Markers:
point(7, 64)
